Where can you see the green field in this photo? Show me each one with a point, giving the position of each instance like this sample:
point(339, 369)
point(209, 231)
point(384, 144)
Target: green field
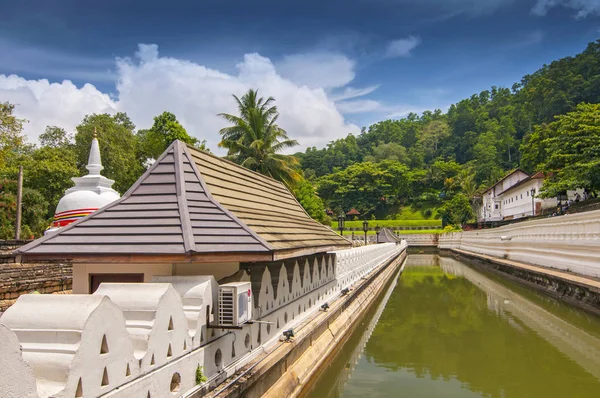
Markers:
point(390, 223)
point(408, 232)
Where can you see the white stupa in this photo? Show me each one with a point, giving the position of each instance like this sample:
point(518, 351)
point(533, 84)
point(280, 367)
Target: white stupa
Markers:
point(90, 193)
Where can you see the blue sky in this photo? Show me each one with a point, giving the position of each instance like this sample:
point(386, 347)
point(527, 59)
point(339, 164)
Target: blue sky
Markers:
point(333, 66)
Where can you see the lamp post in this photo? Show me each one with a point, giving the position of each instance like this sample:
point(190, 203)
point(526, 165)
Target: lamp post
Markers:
point(532, 202)
point(377, 229)
point(561, 197)
point(365, 229)
point(341, 223)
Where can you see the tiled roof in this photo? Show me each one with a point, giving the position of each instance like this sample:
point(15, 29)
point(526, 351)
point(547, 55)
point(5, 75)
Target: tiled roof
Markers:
point(191, 202)
point(505, 177)
point(266, 206)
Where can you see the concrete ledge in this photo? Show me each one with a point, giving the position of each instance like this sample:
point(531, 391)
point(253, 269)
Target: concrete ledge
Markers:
point(290, 367)
point(578, 290)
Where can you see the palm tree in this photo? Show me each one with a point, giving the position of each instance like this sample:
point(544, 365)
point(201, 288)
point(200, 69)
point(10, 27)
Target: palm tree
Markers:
point(254, 139)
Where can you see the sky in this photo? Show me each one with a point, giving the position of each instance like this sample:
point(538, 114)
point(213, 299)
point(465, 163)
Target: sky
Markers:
point(332, 66)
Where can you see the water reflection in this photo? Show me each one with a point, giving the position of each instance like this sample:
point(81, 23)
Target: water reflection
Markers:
point(448, 330)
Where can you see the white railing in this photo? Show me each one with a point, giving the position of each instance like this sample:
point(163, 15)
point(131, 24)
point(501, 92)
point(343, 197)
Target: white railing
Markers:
point(353, 264)
point(570, 242)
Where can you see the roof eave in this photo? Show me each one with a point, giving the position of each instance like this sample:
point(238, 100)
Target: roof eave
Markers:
point(154, 258)
point(307, 251)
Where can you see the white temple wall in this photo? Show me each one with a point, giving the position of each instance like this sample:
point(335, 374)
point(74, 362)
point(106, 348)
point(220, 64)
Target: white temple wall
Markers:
point(292, 290)
point(82, 272)
point(17, 376)
point(218, 270)
point(570, 243)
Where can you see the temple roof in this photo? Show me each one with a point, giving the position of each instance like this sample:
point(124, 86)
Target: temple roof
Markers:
point(190, 203)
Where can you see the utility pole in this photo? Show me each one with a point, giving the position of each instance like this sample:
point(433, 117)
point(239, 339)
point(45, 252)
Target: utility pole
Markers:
point(19, 204)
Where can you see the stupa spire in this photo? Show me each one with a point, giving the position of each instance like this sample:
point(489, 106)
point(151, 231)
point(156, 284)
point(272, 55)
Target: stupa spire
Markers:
point(90, 193)
point(94, 165)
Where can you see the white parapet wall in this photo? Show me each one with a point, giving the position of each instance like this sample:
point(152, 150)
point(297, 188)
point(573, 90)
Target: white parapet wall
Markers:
point(148, 340)
point(420, 239)
point(353, 264)
point(569, 243)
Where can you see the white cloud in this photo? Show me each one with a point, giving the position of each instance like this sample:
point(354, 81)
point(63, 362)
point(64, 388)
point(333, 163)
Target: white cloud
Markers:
point(402, 47)
point(351, 92)
point(148, 84)
point(46, 104)
point(317, 70)
point(359, 106)
point(583, 8)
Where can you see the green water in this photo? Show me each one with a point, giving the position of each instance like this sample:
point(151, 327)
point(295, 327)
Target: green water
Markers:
point(446, 329)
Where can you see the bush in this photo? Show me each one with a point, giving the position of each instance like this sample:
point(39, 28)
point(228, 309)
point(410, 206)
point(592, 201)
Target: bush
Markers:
point(200, 378)
point(427, 213)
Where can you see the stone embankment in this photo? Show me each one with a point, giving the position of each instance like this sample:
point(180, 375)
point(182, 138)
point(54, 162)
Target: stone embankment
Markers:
point(288, 369)
point(558, 255)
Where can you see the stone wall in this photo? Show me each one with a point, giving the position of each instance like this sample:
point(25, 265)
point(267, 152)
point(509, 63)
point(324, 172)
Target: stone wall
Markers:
point(22, 278)
point(569, 243)
point(420, 239)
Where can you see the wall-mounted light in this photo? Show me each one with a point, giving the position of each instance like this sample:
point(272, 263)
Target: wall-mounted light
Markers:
point(288, 334)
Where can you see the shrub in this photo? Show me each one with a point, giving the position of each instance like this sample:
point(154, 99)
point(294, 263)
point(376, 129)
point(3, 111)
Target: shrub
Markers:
point(200, 378)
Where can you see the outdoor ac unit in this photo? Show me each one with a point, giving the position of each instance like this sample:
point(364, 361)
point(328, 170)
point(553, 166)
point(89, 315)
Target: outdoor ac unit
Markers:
point(235, 303)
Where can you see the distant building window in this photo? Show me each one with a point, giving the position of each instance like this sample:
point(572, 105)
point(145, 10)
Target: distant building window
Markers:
point(496, 206)
point(527, 193)
point(521, 196)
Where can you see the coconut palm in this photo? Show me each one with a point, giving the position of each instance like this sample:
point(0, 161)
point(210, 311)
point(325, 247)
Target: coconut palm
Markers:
point(254, 139)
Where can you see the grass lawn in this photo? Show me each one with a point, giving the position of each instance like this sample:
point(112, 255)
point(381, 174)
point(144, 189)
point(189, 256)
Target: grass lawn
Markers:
point(391, 223)
point(426, 231)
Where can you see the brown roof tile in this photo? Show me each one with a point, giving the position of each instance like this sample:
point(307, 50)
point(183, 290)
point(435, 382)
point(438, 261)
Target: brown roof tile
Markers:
point(263, 204)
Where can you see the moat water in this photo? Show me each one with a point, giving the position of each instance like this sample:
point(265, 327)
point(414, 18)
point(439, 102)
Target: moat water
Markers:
point(447, 329)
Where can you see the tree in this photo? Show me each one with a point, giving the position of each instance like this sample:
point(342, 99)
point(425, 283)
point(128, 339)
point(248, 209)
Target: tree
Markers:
point(49, 170)
point(12, 139)
point(56, 137)
point(305, 193)
point(573, 151)
point(34, 217)
point(369, 187)
point(389, 151)
point(485, 161)
point(119, 149)
point(456, 211)
point(164, 131)
point(431, 135)
point(254, 139)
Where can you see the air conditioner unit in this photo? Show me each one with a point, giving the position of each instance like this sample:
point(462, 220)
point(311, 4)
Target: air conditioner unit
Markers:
point(235, 303)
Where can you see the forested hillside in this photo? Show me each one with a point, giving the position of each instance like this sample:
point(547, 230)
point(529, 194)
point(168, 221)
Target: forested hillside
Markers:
point(435, 162)
point(432, 158)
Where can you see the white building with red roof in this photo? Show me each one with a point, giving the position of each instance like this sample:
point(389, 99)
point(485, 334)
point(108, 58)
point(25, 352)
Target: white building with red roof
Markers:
point(517, 196)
